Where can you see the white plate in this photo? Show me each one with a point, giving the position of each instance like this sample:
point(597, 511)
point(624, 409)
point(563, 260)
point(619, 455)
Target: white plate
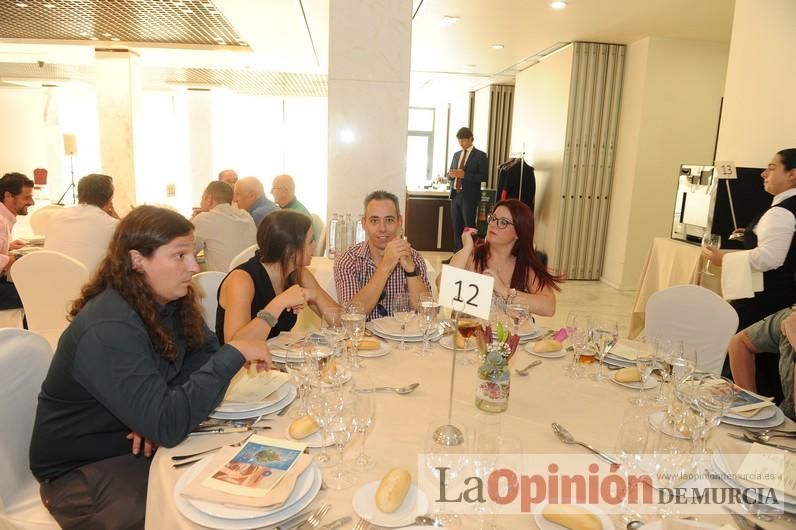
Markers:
point(384, 349)
point(544, 524)
point(200, 518)
point(434, 335)
point(655, 420)
point(268, 409)
point(649, 385)
point(726, 472)
point(447, 342)
point(762, 414)
point(389, 326)
point(658, 525)
point(275, 397)
point(304, 483)
point(548, 354)
point(618, 361)
point(314, 440)
point(777, 419)
point(415, 503)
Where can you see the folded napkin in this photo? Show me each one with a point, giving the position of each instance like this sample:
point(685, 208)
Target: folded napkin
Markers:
point(276, 497)
point(286, 340)
point(738, 279)
point(390, 326)
point(629, 349)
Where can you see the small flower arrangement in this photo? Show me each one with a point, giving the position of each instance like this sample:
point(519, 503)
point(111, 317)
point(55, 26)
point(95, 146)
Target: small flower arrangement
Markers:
point(495, 352)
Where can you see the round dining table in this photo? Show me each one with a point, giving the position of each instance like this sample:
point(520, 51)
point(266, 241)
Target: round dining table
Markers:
point(591, 411)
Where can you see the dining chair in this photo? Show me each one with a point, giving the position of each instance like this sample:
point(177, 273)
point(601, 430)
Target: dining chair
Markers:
point(24, 360)
point(206, 286)
point(245, 255)
point(698, 317)
point(40, 218)
point(46, 302)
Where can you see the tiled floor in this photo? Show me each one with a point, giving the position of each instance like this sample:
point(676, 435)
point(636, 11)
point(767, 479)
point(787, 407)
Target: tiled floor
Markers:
point(592, 296)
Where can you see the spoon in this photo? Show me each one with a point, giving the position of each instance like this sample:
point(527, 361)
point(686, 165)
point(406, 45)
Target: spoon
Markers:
point(424, 520)
point(634, 525)
point(397, 389)
point(524, 371)
point(567, 438)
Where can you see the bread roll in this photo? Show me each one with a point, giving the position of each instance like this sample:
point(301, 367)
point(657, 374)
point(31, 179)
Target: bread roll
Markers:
point(392, 490)
point(369, 344)
point(328, 371)
point(302, 427)
point(571, 516)
point(547, 345)
point(628, 375)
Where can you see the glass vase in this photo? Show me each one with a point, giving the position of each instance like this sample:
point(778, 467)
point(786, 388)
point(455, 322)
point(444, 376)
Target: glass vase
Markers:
point(494, 383)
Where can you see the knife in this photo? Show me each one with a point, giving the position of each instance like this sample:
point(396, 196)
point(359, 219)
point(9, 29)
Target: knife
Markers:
point(337, 523)
point(752, 441)
point(743, 522)
point(228, 430)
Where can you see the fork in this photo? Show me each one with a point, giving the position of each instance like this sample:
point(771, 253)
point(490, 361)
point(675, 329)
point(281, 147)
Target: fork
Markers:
point(179, 458)
point(314, 520)
point(362, 525)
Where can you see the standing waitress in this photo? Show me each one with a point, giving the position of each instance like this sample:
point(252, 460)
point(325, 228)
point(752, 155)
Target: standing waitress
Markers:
point(770, 248)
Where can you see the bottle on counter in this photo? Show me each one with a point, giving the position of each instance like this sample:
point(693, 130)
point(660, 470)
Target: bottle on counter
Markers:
point(351, 230)
point(331, 237)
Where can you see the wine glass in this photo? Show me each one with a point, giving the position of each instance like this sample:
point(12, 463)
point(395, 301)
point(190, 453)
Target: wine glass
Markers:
point(332, 327)
point(492, 450)
point(427, 312)
point(445, 466)
point(645, 361)
point(577, 329)
point(362, 410)
point(710, 240)
point(604, 334)
point(518, 313)
point(402, 313)
point(340, 430)
point(466, 327)
point(300, 370)
point(354, 325)
point(631, 446)
point(323, 404)
point(714, 398)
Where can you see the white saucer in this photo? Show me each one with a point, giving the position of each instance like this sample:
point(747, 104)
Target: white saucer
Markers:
point(275, 397)
point(384, 349)
point(546, 355)
point(434, 335)
point(777, 419)
point(314, 440)
point(762, 414)
point(268, 409)
point(415, 503)
point(447, 342)
point(649, 385)
point(544, 524)
point(412, 329)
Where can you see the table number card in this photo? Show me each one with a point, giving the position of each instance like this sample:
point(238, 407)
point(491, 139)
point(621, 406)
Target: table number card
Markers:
point(770, 467)
point(725, 169)
point(465, 291)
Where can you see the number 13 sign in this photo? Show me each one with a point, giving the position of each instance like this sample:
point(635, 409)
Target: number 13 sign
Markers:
point(465, 291)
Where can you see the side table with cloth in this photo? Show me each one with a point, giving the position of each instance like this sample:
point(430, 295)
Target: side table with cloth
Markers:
point(400, 431)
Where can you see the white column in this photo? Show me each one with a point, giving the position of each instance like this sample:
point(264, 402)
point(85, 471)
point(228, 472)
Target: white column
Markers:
point(369, 61)
point(119, 106)
point(200, 142)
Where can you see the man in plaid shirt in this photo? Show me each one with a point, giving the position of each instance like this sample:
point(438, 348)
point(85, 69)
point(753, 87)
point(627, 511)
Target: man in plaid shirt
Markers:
point(374, 271)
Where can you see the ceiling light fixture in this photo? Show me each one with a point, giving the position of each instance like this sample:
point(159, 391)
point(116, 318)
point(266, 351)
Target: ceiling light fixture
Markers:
point(558, 4)
point(42, 82)
point(49, 6)
point(21, 4)
point(497, 46)
point(106, 35)
point(116, 39)
point(449, 20)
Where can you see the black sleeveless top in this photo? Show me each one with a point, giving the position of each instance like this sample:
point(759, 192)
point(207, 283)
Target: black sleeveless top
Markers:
point(263, 294)
point(779, 285)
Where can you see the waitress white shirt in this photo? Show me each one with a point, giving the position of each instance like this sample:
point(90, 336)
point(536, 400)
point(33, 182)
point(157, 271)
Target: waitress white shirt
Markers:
point(774, 234)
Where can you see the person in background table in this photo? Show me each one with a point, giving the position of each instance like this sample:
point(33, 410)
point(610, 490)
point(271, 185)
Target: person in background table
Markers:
point(16, 194)
point(283, 190)
point(770, 247)
point(507, 254)
point(374, 271)
point(250, 196)
point(223, 231)
point(469, 168)
point(137, 363)
point(775, 333)
point(260, 298)
point(84, 231)
point(229, 176)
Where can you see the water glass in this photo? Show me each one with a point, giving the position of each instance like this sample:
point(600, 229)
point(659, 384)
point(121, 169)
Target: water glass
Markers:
point(645, 361)
point(354, 326)
point(332, 327)
point(710, 240)
point(300, 371)
point(578, 331)
point(340, 430)
point(518, 313)
point(402, 313)
point(427, 312)
point(323, 404)
point(604, 334)
point(362, 411)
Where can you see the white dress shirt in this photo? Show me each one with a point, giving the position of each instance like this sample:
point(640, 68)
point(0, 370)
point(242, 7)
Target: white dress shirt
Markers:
point(81, 232)
point(7, 220)
point(774, 235)
point(224, 232)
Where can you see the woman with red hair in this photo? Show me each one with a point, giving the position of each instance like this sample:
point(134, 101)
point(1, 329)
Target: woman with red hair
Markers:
point(507, 254)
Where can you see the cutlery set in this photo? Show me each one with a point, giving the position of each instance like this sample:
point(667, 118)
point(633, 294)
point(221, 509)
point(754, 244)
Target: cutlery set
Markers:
point(753, 439)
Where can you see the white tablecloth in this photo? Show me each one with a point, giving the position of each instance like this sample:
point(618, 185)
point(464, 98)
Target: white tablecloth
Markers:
point(591, 411)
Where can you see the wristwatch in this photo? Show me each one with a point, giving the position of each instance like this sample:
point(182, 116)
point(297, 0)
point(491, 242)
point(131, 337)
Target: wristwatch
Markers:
point(268, 317)
point(411, 274)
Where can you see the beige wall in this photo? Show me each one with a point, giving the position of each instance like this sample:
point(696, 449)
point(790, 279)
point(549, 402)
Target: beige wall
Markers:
point(759, 112)
point(481, 103)
point(670, 108)
point(541, 99)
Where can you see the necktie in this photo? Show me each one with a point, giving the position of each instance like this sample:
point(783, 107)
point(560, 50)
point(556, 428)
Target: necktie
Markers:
point(462, 162)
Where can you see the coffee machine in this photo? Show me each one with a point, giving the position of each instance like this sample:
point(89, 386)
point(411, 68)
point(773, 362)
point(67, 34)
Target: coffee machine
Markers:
point(694, 203)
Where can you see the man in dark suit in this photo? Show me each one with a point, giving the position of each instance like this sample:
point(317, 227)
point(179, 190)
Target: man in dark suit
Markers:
point(469, 168)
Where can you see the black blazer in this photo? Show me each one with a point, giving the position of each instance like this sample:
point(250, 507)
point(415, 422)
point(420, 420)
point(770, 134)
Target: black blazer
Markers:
point(476, 170)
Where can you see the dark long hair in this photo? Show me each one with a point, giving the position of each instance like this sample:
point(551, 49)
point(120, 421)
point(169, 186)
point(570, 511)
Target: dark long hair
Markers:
point(280, 239)
point(527, 259)
point(145, 229)
point(788, 157)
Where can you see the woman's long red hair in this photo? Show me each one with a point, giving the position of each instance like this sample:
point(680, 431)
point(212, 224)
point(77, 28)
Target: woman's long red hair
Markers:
point(527, 259)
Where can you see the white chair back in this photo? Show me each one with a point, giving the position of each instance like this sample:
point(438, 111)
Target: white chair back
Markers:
point(698, 317)
point(206, 286)
point(47, 283)
point(331, 288)
point(40, 218)
point(243, 257)
point(320, 245)
point(24, 360)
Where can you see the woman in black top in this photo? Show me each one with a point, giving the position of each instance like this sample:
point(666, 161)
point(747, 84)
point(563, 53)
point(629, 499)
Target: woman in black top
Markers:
point(260, 298)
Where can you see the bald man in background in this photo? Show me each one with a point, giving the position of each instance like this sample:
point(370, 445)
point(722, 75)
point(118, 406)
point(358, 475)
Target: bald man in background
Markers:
point(283, 190)
point(229, 176)
point(250, 196)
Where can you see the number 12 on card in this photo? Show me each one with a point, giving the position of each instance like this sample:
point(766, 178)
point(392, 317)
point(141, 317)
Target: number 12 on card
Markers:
point(465, 291)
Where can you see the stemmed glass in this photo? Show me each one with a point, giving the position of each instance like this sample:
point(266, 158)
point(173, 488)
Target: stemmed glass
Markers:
point(354, 325)
point(323, 404)
point(664, 350)
point(578, 331)
point(300, 370)
point(490, 450)
point(631, 445)
point(402, 313)
point(427, 313)
point(714, 398)
point(332, 327)
point(645, 361)
point(340, 428)
point(466, 327)
point(710, 240)
point(604, 334)
point(362, 410)
point(518, 313)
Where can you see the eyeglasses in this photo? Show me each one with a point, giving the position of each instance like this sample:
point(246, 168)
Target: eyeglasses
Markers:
point(502, 222)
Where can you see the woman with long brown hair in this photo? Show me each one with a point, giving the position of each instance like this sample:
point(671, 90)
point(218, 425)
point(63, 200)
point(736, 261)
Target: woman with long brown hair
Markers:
point(137, 361)
point(507, 254)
